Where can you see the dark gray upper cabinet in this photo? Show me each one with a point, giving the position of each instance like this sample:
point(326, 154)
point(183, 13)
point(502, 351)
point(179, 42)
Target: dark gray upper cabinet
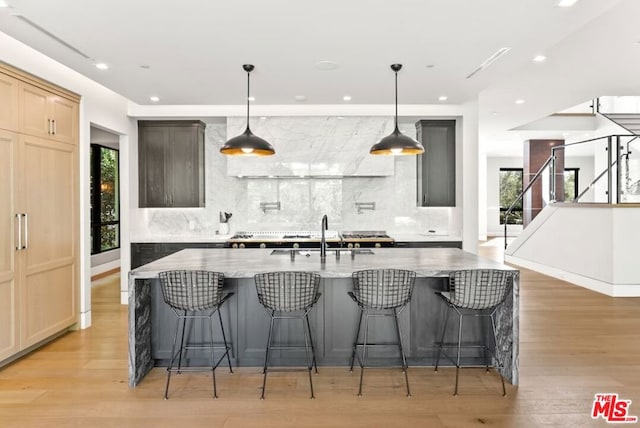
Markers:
point(437, 165)
point(171, 163)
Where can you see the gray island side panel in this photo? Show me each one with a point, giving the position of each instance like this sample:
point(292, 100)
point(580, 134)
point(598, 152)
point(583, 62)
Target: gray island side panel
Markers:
point(421, 322)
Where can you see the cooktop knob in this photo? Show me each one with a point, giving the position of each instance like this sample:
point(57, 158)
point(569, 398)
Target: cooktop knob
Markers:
point(377, 245)
point(241, 245)
point(234, 246)
point(296, 245)
point(350, 245)
point(357, 245)
point(263, 245)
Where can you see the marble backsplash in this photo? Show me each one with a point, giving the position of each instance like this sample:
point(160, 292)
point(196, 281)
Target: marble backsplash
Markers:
point(314, 146)
point(303, 202)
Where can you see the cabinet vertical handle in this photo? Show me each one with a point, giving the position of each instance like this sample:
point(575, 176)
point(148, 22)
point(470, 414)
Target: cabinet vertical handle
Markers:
point(26, 232)
point(19, 232)
point(53, 122)
point(49, 126)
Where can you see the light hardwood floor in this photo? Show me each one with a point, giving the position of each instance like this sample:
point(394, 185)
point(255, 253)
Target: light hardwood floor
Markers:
point(573, 343)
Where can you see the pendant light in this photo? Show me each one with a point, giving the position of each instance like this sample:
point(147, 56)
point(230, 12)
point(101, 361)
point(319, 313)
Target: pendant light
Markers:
point(247, 144)
point(397, 143)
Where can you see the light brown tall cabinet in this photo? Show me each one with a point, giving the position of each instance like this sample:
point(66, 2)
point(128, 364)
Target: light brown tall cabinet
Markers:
point(39, 211)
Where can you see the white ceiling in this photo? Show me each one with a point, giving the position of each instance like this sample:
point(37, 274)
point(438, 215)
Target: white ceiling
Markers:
point(194, 49)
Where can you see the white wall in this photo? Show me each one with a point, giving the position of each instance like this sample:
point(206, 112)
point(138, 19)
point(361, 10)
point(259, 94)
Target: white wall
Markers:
point(99, 106)
point(594, 246)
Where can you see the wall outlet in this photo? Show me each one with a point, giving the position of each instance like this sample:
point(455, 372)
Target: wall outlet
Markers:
point(192, 225)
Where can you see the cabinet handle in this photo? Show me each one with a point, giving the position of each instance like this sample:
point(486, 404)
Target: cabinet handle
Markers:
point(53, 121)
point(26, 232)
point(49, 126)
point(19, 232)
point(424, 199)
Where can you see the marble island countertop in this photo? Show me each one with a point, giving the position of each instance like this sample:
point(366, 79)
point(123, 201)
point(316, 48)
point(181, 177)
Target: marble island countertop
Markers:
point(245, 263)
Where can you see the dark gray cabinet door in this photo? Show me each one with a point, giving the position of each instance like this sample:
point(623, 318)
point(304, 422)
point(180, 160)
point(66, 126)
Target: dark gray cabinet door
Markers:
point(171, 163)
point(437, 165)
point(152, 143)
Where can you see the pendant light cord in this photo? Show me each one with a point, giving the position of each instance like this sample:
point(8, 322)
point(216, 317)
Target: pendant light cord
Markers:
point(396, 121)
point(248, 92)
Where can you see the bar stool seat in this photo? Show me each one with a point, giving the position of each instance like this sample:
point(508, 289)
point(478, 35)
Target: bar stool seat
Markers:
point(477, 293)
point(195, 294)
point(380, 293)
point(289, 296)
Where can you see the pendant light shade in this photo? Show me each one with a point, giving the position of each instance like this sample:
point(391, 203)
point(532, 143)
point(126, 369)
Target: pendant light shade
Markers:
point(396, 143)
point(247, 143)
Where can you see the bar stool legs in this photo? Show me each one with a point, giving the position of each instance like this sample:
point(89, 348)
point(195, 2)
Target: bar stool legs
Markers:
point(184, 345)
point(362, 359)
point(308, 348)
point(459, 346)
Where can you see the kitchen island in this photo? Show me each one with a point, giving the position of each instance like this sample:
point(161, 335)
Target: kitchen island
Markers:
point(334, 317)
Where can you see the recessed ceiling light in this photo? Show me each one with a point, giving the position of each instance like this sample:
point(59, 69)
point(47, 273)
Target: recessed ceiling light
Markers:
point(347, 98)
point(495, 113)
point(539, 58)
point(519, 101)
point(339, 117)
point(3, 3)
point(567, 3)
point(252, 98)
point(154, 98)
point(300, 98)
point(102, 66)
point(327, 65)
point(263, 117)
point(443, 98)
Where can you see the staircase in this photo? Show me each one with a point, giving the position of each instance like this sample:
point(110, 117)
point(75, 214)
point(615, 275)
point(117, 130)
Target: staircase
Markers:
point(629, 121)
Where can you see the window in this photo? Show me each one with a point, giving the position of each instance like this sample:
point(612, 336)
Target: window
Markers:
point(510, 188)
point(570, 184)
point(105, 199)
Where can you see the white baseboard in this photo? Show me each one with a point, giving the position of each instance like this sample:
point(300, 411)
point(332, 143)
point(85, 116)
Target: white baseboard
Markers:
point(97, 270)
point(613, 290)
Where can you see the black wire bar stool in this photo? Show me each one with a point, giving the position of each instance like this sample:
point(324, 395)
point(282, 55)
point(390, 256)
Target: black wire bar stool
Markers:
point(195, 294)
point(476, 293)
point(380, 293)
point(289, 296)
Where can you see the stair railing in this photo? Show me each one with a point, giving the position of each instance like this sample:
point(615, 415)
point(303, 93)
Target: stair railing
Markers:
point(520, 197)
point(614, 145)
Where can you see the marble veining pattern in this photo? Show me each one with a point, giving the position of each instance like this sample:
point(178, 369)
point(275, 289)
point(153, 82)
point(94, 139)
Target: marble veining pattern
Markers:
point(311, 146)
point(303, 200)
point(140, 362)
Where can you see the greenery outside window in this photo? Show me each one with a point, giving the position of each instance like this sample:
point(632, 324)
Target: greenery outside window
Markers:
point(105, 199)
point(570, 184)
point(510, 188)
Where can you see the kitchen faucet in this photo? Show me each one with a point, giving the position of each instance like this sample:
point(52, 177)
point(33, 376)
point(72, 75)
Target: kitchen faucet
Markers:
point(324, 225)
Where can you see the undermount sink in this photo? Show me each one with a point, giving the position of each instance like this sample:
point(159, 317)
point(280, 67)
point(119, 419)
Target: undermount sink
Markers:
point(308, 251)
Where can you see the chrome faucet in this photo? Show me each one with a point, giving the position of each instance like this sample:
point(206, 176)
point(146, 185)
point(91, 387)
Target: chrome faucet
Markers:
point(324, 225)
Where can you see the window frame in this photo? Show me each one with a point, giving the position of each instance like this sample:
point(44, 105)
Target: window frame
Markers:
point(95, 159)
point(576, 186)
point(504, 209)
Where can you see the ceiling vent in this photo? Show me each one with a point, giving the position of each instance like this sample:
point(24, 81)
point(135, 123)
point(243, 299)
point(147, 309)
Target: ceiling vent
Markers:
point(487, 62)
point(52, 36)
